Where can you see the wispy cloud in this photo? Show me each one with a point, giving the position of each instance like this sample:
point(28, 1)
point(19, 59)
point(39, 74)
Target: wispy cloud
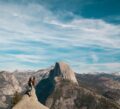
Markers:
point(32, 36)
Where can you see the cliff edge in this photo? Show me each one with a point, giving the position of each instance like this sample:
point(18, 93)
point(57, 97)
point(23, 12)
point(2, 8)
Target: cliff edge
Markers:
point(29, 102)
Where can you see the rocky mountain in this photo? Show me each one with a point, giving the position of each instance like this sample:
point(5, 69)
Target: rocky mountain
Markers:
point(67, 94)
point(107, 85)
point(58, 87)
point(64, 71)
point(61, 71)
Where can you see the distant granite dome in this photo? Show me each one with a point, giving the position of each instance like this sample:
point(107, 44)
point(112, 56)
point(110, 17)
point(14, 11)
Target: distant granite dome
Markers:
point(29, 102)
point(60, 72)
point(63, 70)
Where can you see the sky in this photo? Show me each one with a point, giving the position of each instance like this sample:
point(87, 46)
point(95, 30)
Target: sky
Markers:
point(35, 34)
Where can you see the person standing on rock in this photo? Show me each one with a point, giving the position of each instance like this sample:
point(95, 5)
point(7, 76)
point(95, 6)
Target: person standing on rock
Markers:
point(33, 81)
point(29, 86)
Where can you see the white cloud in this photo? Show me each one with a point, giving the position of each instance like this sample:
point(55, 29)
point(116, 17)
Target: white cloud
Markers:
point(35, 23)
point(92, 68)
point(94, 57)
point(90, 31)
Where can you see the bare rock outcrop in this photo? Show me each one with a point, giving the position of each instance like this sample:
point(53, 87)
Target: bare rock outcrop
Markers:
point(29, 102)
point(8, 86)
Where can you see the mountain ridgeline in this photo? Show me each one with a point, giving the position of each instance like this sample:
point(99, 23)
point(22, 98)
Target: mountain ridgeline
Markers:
point(59, 87)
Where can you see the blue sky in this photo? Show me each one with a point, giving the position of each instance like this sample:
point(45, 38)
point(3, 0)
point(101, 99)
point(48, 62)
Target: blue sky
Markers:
point(34, 34)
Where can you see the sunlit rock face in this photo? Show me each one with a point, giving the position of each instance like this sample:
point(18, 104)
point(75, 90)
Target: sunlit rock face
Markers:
point(29, 102)
point(64, 71)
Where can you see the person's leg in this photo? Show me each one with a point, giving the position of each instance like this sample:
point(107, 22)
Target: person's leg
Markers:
point(29, 94)
point(30, 91)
